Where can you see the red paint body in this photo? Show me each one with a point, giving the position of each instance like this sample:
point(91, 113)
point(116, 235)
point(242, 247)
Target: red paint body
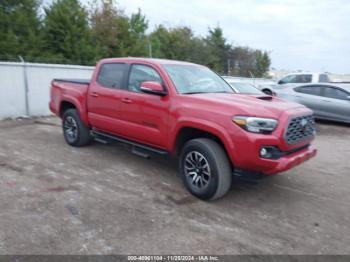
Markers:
point(157, 120)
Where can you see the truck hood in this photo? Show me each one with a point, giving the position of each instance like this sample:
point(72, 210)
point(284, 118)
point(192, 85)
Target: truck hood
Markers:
point(251, 105)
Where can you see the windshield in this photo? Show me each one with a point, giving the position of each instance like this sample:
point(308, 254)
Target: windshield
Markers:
point(245, 88)
point(192, 79)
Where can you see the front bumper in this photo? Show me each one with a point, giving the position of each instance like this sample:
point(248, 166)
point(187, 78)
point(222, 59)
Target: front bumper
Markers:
point(246, 152)
point(279, 166)
point(292, 160)
point(272, 167)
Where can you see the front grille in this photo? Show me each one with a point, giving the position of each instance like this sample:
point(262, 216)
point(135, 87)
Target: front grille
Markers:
point(299, 129)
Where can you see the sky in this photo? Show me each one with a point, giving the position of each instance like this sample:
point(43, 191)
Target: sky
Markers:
point(312, 35)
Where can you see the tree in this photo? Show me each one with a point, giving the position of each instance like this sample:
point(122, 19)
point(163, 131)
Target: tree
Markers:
point(179, 43)
point(262, 63)
point(218, 49)
point(138, 25)
point(115, 34)
point(19, 29)
point(182, 43)
point(160, 39)
point(110, 29)
point(67, 34)
point(173, 43)
point(249, 62)
point(104, 28)
point(242, 61)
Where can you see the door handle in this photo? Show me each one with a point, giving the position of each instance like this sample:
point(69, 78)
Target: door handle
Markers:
point(126, 100)
point(94, 94)
point(326, 101)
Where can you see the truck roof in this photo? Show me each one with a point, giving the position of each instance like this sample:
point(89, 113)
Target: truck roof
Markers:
point(149, 60)
point(306, 73)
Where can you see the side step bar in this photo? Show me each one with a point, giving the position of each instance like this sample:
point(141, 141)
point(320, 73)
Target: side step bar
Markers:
point(137, 148)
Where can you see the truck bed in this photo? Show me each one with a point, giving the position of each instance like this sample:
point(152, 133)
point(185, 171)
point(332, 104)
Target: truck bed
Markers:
point(73, 88)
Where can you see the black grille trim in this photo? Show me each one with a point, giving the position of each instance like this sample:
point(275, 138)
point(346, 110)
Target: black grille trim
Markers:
point(297, 132)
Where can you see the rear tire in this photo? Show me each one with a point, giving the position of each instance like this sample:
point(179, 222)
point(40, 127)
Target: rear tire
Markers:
point(75, 132)
point(205, 169)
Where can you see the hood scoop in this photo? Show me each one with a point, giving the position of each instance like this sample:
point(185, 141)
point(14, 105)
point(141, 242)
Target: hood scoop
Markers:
point(266, 98)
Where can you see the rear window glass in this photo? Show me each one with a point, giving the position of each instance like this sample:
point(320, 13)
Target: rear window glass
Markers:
point(335, 93)
point(303, 79)
point(112, 75)
point(324, 78)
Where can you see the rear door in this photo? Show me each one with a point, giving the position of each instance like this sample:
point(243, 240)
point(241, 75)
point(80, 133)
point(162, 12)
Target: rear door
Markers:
point(336, 103)
point(145, 116)
point(104, 97)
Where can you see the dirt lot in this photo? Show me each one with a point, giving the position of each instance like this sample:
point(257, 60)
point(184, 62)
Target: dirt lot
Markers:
point(101, 199)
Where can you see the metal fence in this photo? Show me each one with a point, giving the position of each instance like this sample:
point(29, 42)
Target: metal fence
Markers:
point(25, 87)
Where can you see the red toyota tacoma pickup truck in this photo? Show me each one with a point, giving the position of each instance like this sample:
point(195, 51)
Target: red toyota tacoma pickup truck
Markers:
point(177, 108)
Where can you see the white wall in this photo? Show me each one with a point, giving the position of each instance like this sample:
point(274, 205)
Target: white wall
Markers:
point(39, 76)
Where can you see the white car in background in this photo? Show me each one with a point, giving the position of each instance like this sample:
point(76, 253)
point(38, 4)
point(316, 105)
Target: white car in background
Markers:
point(262, 84)
point(304, 78)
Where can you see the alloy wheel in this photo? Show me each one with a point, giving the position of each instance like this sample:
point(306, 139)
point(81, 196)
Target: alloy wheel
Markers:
point(197, 170)
point(70, 127)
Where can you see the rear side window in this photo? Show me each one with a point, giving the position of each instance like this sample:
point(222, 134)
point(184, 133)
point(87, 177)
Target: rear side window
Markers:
point(112, 75)
point(303, 79)
point(336, 93)
point(310, 90)
point(142, 73)
point(323, 78)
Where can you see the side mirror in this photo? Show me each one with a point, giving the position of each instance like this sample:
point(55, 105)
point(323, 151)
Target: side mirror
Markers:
point(152, 87)
point(280, 82)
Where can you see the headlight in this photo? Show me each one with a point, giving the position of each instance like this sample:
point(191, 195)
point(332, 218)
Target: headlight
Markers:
point(256, 124)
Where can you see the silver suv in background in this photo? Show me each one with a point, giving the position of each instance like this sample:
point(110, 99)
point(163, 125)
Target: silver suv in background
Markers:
point(329, 101)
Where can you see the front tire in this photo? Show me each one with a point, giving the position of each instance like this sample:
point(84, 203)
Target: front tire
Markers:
point(205, 169)
point(75, 132)
point(268, 92)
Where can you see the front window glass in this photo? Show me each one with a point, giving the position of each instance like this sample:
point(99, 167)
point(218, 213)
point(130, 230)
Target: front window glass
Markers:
point(288, 79)
point(310, 90)
point(140, 74)
point(191, 79)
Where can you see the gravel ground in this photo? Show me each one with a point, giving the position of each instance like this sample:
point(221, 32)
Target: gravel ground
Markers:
point(101, 199)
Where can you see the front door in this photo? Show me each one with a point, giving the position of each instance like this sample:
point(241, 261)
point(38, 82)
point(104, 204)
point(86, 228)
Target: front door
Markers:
point(310, 96)
point(144, 116)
